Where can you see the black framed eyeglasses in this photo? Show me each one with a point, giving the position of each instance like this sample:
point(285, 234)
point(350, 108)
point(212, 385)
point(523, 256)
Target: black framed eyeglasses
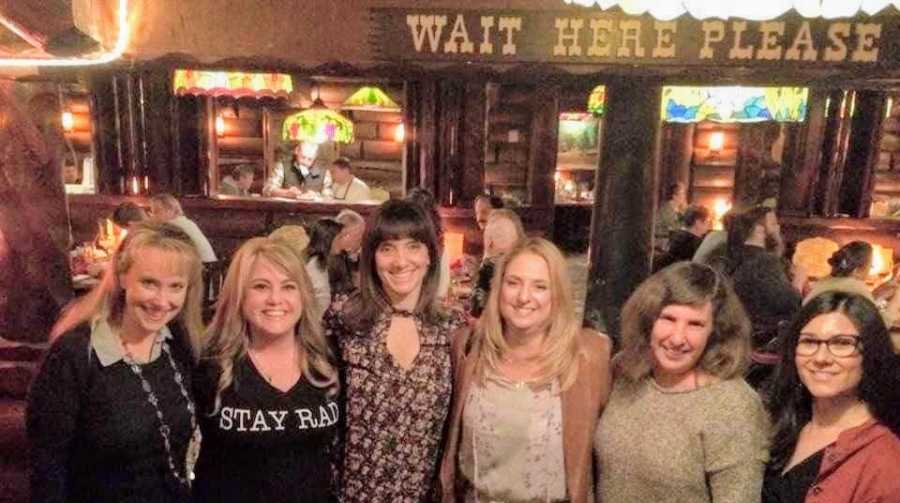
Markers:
point(841, 346)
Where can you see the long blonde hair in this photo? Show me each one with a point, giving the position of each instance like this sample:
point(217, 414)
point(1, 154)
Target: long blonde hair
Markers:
point(561, 348)
point(108, 298)
point(228, 336)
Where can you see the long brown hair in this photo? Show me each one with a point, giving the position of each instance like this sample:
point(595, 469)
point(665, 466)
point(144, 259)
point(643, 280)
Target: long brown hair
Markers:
point(108, 298)
point(395, 219)
point(727, 353)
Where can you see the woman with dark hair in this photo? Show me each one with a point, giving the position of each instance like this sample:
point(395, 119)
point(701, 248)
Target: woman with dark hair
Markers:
point(835, 404)
point(394, 342)
point(681, 424)
point(319, 255)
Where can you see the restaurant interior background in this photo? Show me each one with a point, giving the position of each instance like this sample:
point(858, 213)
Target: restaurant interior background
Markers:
point(583, 148)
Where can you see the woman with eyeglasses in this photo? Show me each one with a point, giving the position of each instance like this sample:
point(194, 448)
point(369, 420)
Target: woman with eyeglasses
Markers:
point(836, 406)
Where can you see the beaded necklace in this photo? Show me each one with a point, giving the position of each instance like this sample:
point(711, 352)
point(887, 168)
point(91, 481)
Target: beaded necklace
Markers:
point(164, 429)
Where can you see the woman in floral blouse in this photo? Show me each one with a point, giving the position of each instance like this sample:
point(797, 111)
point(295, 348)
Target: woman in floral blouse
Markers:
point(394, 345)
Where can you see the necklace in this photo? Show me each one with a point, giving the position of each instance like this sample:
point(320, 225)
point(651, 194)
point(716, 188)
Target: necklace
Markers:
point(164, 429)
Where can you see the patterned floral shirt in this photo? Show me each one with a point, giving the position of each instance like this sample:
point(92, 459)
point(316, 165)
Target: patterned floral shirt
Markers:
point(395, 417)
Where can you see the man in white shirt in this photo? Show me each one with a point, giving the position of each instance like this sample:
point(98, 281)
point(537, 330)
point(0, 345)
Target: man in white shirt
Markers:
point(346, 187)
point(165, 208)
point(301, 175)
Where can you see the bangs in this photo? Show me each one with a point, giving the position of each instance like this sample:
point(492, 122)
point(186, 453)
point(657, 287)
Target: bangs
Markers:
point(171, 262)
point(402, 225)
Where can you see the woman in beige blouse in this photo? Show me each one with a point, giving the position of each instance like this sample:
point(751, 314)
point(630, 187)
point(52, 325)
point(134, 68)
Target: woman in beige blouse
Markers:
point(529, 386)
point(681, 425)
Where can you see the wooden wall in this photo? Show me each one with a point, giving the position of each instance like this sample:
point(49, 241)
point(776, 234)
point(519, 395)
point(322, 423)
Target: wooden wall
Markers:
point(887, 166)
point(508, 139)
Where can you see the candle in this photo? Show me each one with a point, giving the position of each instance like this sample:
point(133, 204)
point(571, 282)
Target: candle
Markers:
point(135, 188)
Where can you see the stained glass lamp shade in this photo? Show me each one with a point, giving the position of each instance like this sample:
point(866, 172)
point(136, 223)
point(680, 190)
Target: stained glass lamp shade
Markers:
point(370, 98)
point(232, 84)
point(597, 101)
point(734, 104)
point(317, 124)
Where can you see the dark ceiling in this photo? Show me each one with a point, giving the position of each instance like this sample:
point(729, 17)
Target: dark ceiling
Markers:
point(45, 27)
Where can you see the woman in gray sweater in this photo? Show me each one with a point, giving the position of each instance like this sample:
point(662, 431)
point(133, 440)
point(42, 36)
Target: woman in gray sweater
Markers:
point(681, 424)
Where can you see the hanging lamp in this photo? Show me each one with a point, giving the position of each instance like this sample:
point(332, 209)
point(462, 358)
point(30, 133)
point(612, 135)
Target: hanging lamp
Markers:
point(317, 124)
point(370, 98)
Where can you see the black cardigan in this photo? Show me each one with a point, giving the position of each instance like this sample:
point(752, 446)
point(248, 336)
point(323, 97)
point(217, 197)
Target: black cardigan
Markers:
point(94, 435)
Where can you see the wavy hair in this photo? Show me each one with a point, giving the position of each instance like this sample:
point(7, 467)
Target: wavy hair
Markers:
point(791, 403)
point(228, 335)
point(108, 298)
point(727, 352)
point(560, 349)
point(394, 219)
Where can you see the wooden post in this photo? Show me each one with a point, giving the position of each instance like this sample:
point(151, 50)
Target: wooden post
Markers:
point(542, 146)
point(474, 123)
point(622, 232)
point(834, 151)
point(862, 153)
point(800, 171)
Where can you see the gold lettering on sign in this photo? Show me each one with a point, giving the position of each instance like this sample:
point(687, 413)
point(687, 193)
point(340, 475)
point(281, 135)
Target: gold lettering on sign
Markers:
point(631, 32)
point(422, 26)
point(736, 51)
point(510, 25)
point(866, 36)
point(600, 28)
point(564, 34)
point(770, 41)
point(803, 39)
point(459, 38)
point(837, 32)
point(713, 31)
point(665, 47)
point(486, 47)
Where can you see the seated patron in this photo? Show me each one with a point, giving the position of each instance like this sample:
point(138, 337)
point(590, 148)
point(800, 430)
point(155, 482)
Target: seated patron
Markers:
point(239, 182)
point(668, 215)
point(297, 175)
point(344, 185)
point(484, 204)
point(683, 243)
point(835, 406)
point(165, 208)
point(343, 270)
point(503, 231)
point(128, 213)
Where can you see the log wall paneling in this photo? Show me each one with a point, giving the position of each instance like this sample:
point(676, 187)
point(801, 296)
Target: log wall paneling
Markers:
point(675, 156)
point(509, 145)
point(712, 174)
point(862, 155)
point(834, 148)
point(887, 167)
point(189, 142)
point(623, 221)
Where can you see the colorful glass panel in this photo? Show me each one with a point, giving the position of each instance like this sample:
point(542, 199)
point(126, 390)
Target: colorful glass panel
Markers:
point(734, 104)
point(232, 84)
point(597, 101)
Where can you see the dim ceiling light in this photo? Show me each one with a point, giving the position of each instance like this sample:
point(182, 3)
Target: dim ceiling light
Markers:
point(757, 10)
point(104, 57)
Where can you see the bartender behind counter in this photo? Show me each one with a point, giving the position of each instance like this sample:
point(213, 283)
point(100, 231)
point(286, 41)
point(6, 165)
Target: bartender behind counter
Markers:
point(301, 175)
